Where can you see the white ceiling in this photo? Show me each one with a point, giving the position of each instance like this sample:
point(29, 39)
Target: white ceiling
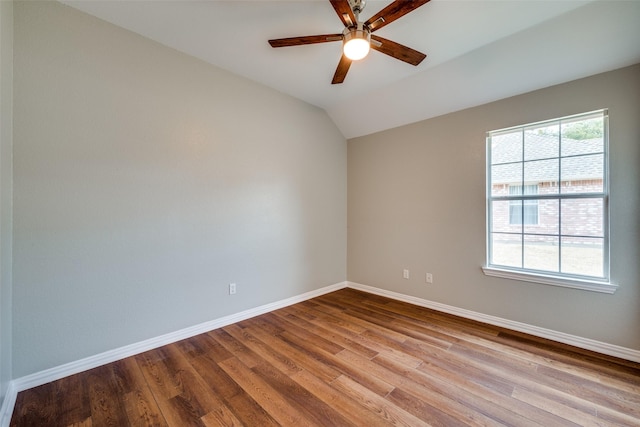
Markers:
point(477, 50)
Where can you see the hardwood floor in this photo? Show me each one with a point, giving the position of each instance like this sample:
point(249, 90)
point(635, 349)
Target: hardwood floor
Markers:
point(347, 359)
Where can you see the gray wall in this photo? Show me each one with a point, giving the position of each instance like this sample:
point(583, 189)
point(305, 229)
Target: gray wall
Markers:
point(417, 201)
point(6, 120)
point(145, 181)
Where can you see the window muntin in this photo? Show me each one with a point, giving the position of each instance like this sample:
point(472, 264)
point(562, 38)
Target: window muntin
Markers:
point(548, 198)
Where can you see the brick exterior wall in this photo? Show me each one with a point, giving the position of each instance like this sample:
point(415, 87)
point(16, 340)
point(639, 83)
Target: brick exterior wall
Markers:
point(580, 217)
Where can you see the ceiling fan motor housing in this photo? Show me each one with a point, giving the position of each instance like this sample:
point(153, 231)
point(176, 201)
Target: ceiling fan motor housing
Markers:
point(359, 32)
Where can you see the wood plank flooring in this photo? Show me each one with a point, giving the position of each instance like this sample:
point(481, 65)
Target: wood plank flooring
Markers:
point(347, 359)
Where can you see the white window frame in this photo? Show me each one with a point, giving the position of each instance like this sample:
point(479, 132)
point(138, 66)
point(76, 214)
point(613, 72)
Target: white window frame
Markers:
point(596, 284)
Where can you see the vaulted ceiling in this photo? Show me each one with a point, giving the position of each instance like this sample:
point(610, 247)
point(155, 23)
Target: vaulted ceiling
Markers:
point(477, 51)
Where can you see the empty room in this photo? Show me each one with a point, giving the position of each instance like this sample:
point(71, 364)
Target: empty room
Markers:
point(319, 213)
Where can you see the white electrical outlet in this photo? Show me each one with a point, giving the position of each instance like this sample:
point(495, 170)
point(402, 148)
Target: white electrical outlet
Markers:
point(232, 289)
point(429, 278)
point(405, 273)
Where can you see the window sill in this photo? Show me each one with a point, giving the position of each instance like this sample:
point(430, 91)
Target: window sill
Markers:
point(587, 285)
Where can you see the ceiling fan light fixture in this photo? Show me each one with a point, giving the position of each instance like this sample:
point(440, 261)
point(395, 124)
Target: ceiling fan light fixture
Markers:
point(357, 43)
point(356, 34)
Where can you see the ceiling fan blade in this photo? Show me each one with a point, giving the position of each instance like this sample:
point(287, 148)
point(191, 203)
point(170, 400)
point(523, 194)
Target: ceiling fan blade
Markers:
point(298, 41)
point(343, 8)
point(341, 71)
point(396, 50)
point(395, 10)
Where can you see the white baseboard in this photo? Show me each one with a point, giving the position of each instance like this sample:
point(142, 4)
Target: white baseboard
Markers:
point(7, 405)
point(584, 343)
point(58, 372)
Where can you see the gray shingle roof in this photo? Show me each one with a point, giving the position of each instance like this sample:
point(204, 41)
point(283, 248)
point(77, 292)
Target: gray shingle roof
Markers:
point(581, 159)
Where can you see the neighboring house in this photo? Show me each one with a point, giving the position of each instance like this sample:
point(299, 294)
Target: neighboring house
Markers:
point(582, 172)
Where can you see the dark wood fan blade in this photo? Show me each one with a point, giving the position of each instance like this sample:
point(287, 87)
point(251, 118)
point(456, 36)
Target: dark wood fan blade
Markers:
point(298, 41)
point(395, 10)
point(396, 50)
point(341, 71)
point(343, 8)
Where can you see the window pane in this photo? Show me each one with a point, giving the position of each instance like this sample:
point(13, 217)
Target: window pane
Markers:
point(584, 136)
point(505, 174)
point(506, 249)
point(523, 212)
point(583, 174)
point(506, 147)
point(500, 214)
point(548, 218)
point(543, 171)
point(583, 217)
point(530, 212)
point(541, 253)
point(542, 142)
point(583, 255)
point(515, 212)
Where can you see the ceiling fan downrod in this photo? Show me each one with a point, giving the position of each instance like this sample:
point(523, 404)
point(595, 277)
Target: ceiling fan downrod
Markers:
point(358, 6)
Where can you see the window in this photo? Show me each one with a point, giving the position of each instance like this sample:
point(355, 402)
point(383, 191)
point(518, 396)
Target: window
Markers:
point(525, 212)
point(547, 202)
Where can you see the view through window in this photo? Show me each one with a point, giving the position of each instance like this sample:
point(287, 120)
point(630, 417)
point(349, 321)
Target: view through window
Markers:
point(547, 197)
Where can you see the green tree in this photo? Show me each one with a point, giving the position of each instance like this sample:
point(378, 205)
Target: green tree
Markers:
point(585, 129)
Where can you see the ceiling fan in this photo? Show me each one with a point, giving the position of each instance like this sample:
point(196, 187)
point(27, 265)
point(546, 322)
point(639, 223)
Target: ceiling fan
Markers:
point(357, 37)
